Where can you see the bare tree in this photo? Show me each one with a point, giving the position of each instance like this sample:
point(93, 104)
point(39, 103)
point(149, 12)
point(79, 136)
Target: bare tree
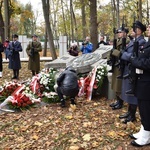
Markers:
point(45, 4)
point(93, 23)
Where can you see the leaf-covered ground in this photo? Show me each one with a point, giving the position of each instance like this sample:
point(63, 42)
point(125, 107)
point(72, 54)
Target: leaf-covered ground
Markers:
point(91, 125)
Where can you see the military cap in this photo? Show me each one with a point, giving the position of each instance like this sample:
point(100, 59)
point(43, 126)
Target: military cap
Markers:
point(122, 30)
point(14, 36)
point(139, 25)
point(34, 35)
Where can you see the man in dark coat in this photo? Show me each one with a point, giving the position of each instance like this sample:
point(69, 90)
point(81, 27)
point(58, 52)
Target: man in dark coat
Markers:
point(33, 50)
point(12, 53)
point(67, 85)
point(131, 99)
point(142, 92)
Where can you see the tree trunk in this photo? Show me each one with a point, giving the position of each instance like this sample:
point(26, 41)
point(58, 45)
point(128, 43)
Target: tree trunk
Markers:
point(45, 4)
point(114, 12)
point(45, 43)
point(93, 23)
point(64, 20)
point(147, 12)
point(6, 12)
point(118, 19)
point(71, 21)
point(140, 10)
point(2, 34)
point(76, 29)
point(83, 18)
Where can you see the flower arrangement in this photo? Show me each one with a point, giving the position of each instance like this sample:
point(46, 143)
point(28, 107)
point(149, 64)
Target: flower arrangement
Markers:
point(93, 80)
point(23, 95)
point(100, 75)
point(19, 99)
point(8, 88)
point(48, 79)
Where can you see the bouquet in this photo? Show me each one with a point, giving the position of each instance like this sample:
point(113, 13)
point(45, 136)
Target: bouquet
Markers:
point(8, 88)
point(93, 80)
point(19, 99)
point(100, 75)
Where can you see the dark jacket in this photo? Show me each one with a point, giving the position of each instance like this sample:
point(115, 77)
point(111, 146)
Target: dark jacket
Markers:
point(101, 43)
point(126, 85)
point(143, 80)
point(73, 51)
point(68, 82)
point(12, 53)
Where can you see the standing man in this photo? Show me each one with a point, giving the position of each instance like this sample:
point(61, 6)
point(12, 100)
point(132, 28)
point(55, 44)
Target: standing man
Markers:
point(142, 92)
point(33, 50)
point(12, 53)
point(126, 85)
point(87, 46)
point(116, 82)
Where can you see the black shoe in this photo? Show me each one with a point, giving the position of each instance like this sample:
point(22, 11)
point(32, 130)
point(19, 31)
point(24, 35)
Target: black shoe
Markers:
point(132, 137)
point(72, 101)
point(126, 76)
point(130, 92)
point(129, 119)
point(62, 103)
point(135, 144)
point(124, 115)
point(114, 104)
point(119, 106)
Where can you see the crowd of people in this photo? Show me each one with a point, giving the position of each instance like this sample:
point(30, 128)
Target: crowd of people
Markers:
point(130, 61)
point(131, 77)
point(12, 50)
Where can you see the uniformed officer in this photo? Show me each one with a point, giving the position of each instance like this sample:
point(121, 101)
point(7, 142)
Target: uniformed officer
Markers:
point(33, 50)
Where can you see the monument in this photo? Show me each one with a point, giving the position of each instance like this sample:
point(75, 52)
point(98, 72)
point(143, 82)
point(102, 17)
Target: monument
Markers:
point(83, 63)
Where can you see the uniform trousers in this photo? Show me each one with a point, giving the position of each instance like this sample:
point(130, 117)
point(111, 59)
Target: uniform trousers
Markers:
point(144, 110)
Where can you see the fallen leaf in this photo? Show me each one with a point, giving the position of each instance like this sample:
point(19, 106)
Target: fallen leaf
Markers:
point(68, 116)
point(74, 148)
point(38, 123)
point(86, 137)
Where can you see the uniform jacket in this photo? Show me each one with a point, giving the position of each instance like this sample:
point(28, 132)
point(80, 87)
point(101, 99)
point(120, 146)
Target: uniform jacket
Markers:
point(12, 53)
point(87, 49)
point(116, 83)
point(34, 60)
point(143, 80)
point(68, 82)
point(126, 85)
